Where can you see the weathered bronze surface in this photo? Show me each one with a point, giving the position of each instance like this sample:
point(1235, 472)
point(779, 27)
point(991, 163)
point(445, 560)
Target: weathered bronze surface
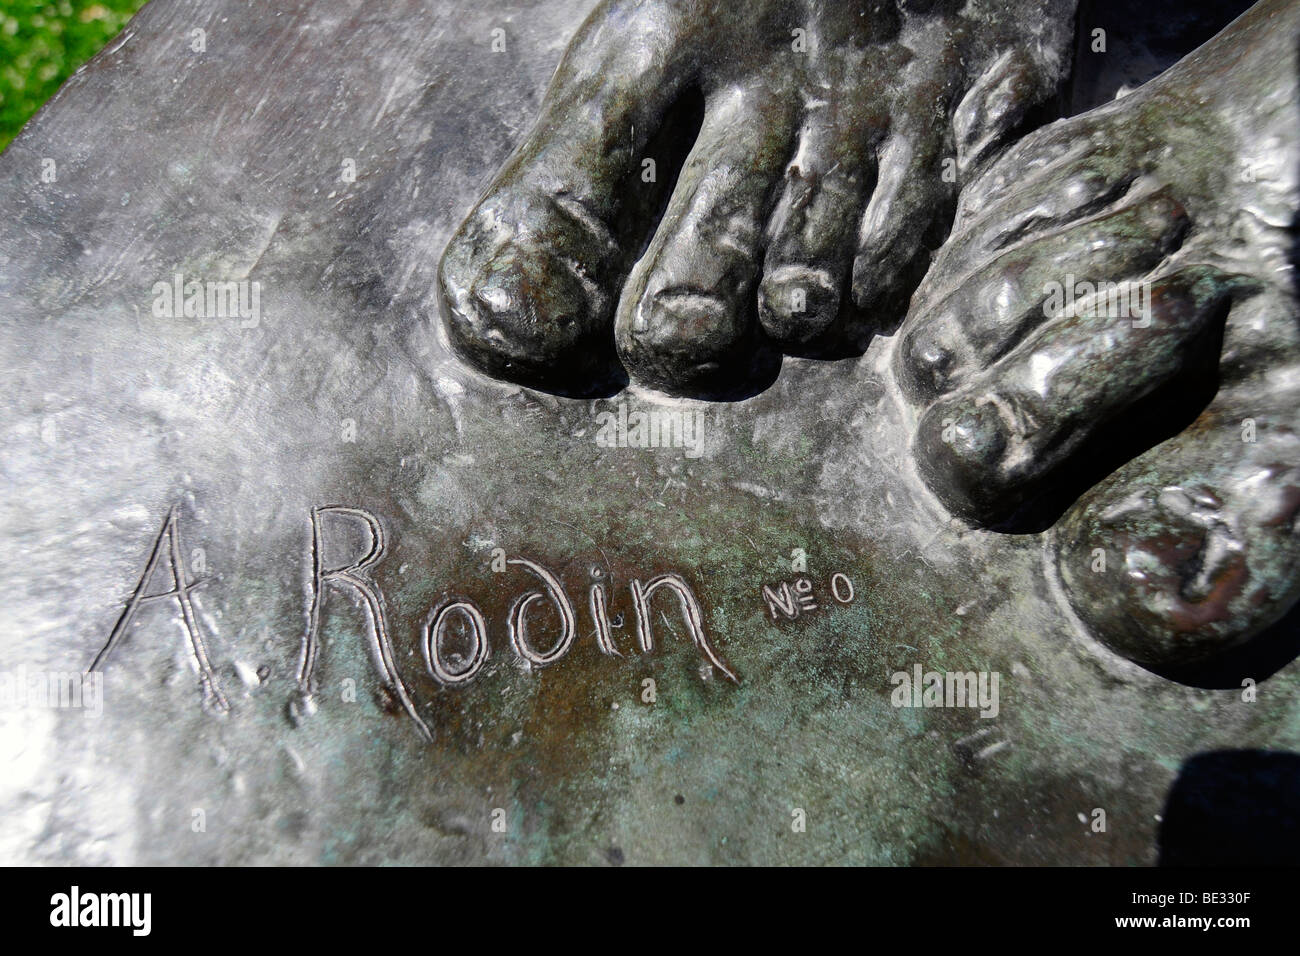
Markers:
point(299, 541)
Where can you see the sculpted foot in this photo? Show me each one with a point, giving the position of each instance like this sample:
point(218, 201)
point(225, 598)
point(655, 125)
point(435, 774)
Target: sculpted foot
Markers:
point(1135, 258)
point(834, 137)
point(530, 279)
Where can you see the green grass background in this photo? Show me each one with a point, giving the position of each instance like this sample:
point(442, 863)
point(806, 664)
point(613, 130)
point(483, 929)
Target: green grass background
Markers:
point(42, 43)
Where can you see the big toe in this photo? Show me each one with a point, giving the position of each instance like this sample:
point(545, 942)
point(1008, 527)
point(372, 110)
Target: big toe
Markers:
point(523, 313)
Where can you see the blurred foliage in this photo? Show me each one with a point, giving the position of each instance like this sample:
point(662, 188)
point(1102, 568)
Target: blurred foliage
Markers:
point(43, 43)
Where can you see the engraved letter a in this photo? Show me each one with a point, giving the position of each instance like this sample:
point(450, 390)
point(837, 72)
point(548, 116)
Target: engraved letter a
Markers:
point(168, 545)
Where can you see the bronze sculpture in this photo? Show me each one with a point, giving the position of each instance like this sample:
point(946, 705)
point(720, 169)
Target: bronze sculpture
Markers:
point(322, 533)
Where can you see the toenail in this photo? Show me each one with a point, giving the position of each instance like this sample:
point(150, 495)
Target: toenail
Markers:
point(797, 303)
point(495, 298)
point(930, 364)
point(962, 450)
point(689, 316)
point(976, 437)
point(806, 276)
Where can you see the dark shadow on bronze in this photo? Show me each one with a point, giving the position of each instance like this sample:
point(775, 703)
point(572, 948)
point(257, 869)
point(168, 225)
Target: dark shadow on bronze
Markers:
point(1233, 808)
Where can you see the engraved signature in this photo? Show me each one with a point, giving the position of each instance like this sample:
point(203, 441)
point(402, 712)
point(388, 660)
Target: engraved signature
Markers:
point(354, 576)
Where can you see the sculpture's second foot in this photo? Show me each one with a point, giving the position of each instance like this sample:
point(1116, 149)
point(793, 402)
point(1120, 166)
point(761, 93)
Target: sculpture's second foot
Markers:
point(1119, 280)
